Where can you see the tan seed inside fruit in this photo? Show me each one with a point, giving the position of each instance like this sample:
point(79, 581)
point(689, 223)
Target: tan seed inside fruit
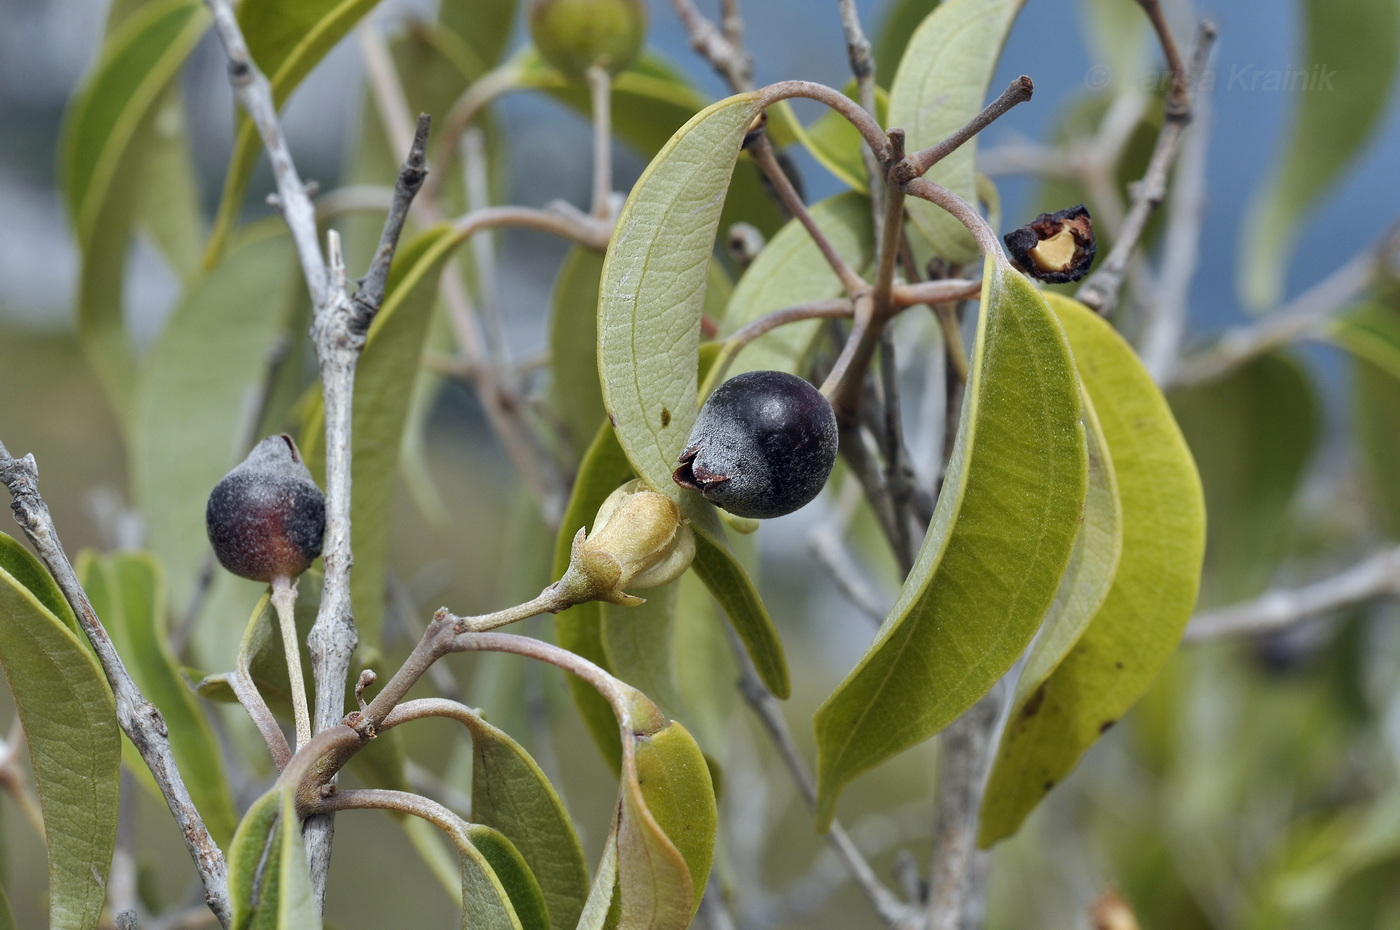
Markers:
point(1055, 253)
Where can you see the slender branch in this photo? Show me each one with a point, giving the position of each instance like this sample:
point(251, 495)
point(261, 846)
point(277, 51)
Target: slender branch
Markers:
point(1298, 319)
point(761, 701)
point(827, 546)
point(254, 93)
point(600, 92)
point(405, 802)
point(284, 601)
point(890, 234)
point(1376, 576)
point(247, 693)
point(762, 153)
point(836, 308)
point(961, 210)
point(1101, 290)
point(474, 99)
point(853, 112)
point(964, 753)
point(139, 719)
point(936, 292)
point(1019, 91)
point(12, 781)
point(722, 47)
point(899, 476)
point(1164, 323)
point(863, 68)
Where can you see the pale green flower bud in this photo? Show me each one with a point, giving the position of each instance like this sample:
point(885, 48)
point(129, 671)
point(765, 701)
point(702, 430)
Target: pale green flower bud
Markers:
point(638, 540)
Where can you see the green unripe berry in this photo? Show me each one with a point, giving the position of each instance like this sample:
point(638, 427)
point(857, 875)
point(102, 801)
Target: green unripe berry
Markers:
point(575, 35)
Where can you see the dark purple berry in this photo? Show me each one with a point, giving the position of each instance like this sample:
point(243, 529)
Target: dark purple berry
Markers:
point(763, 445)
point(266, 517)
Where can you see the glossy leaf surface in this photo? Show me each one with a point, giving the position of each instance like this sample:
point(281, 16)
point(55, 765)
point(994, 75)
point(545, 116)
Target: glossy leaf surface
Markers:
point(1140, 622)
point(941, 84)
point(991, 563)
point(70, 725)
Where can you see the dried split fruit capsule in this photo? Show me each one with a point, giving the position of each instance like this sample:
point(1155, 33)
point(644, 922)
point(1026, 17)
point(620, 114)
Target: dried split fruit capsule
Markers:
point(266, 517)
point(763, 445)
point(575, 35)
point(1055, 247)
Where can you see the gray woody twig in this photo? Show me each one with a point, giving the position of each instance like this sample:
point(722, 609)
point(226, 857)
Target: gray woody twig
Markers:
point(338, 331)
point(139, 719)
point(1377, 576)
point(1101, 290)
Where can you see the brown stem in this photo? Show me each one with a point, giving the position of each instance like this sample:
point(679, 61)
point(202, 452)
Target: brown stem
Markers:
point(763, 154)
point(836, 308)
point(1019, 91)
point(138, 717)
point(1100, 292)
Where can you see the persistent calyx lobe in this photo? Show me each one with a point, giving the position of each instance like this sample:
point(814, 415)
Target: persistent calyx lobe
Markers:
point(266, 518)
point(763, 445)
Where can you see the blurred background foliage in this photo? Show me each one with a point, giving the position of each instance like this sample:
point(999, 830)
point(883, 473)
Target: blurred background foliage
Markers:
point(1254, 787)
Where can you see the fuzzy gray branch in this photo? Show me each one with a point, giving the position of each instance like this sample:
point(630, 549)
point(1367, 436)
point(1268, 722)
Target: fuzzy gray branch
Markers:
point(139, 719)
point(1101, 290)
point(1376, 576)
point(722, 48)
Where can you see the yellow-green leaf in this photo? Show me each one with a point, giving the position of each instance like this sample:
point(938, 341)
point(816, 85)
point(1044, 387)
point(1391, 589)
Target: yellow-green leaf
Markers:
point(573, 339)
point(1139, 623)
point(991, 563)
point(70, 724)
point(640, 645)
point(1349, 57)
point(269, 881)
point(523, 898)
point(941, 84)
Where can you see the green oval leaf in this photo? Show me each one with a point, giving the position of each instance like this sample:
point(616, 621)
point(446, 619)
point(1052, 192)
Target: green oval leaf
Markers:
point(136, 619)
point(512, 794)
point(523, 895)
point(991, 563)
point(269, 880)
point(70, 724)
point(196, 393)
point(286, 40)
point(941, 84)
point(1371, 334)
point(791, 270)
point(486, 25)
point(107, 135)
point(640, 645)
point(653, 288)
point(1252, 434)
point(1350, 50)
point(1141, 620)
point(665, 829)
